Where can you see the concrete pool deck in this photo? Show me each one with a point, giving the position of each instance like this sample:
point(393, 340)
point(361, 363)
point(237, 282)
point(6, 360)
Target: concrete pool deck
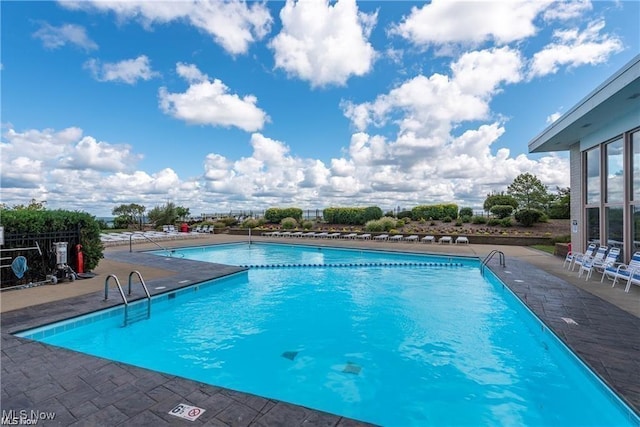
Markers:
point(85, 390)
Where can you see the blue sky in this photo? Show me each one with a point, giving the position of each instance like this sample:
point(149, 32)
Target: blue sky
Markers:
point(220, 106)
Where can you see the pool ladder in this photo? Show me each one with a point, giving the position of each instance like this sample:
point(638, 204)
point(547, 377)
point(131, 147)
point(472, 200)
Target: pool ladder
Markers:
point(134, 317)
point(486, 260)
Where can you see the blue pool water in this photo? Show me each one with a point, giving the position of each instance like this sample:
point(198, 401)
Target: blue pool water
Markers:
point(401, 345)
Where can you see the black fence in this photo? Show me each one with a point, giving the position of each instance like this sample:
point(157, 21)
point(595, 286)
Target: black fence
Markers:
point(39, 251)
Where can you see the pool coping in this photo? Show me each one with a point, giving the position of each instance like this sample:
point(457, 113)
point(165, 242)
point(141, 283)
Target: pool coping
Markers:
point(83, 389)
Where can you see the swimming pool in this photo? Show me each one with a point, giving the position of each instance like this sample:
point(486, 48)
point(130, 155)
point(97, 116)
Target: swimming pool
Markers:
point(421, 341)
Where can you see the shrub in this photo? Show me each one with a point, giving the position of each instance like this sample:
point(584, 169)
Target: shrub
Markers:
point(478, 219)
point(388, 223)
point(400, 223)
point(465, 212)
point(374, 225)
point(28, 221)
point(493, 222)
point(404, 214)
point(229, 221)
point(465, 219)
point(447, 219)
point(435, 211)
point(288, 223)
point(351, 216)
point(307, 225)
point(276, 215)
point(250, 223)
point(501, 211)
point(528, 217)
point(458, 223)
point(506, 222)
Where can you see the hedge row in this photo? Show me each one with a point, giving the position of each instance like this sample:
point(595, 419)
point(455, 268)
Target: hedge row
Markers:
point(47, 221)
point(275, 215)
point(351, 216)
point(434, 212)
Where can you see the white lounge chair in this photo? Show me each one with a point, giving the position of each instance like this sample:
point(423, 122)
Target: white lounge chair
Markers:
point(412, 238)
point(396, 238)
point(445, 239)
point(382, 237)
point(622, 271)
point(578, 256)
point(365, 236)
point(462, 240)
point(634, 279)
point(591, 264)
point(333, 235)
point(349, 236)
point(599, 256)
point(322, 235)
point(428, 239)
point(296, 234)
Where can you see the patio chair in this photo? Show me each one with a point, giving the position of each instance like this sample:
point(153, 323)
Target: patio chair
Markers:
point(365, 236)
point(578, 256)
point(462, 240)
point(349, 236)
point(396, 238)
point(599, 256)
point(334, 235)
point(412, 238)
point(428, 239)
point(634, 279)
point(622, 271)
point(591, 264)
point(445, 239)
point(309, 234)
point(381, 237)
point(322, 235)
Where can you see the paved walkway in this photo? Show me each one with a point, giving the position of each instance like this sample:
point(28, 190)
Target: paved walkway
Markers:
point(84, 390)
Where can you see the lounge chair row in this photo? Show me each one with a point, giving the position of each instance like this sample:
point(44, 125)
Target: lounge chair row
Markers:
point(367, 236)
point(603, 260)
point(126, 236)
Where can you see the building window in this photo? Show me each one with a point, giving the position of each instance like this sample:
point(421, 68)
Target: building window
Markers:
point(635, 166)
point(615, 172)
point(615, 231)
point(593, 225)
point(635, 228)
point(593, 176)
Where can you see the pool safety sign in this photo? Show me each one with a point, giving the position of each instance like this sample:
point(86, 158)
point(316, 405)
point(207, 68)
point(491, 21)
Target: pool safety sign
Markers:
point(187, 412)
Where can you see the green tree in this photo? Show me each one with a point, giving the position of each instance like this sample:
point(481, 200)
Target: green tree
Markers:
point(129, 214)
point(529, 191)
point(163, 215)
point(560, 206)
point(499, 199)
point(182, 212)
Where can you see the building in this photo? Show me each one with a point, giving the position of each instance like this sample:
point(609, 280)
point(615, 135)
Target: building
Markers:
point(602, 135)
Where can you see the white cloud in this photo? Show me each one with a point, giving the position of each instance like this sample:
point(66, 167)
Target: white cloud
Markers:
point(127, 71)
point(573, 48)
point(234, 25)
point(56, 37)
point(428, 107)
point(564, 10)
point(470, 22)
point(372, 172)
point(208, 102)
point(553, 117)
point(66, 149)
point(324, 43)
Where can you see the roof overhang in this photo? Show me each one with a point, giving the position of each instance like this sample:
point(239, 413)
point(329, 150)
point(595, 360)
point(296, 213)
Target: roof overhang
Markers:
point(616, 97)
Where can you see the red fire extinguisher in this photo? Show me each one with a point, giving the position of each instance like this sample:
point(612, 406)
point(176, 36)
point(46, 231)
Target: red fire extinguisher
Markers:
point(80, 259)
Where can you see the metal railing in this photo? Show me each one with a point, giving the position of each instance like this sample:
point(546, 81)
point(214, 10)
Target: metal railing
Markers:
point(127, 319)
point(486, 260)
